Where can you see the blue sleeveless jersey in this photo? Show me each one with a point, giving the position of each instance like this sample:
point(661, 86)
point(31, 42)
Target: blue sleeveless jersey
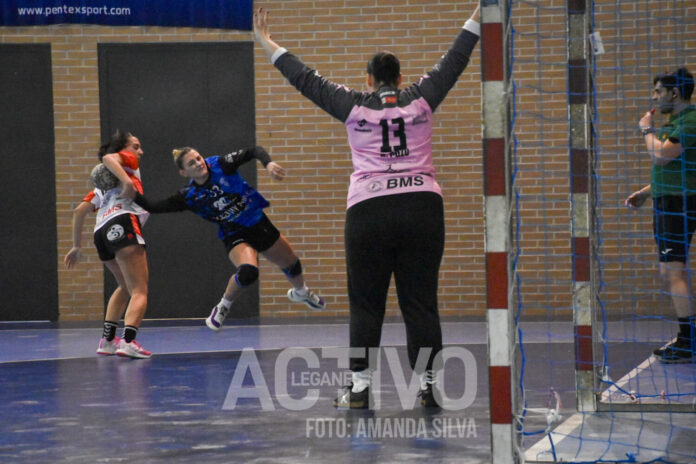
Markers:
point(225, 199)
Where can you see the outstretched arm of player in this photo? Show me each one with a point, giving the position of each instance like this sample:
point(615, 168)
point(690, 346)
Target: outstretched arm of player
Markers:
point(335, 99)
point(79, 214)
point(262, 32)
point(274, 169)
point(435, 85)
point(173, 204)
point(230, 162)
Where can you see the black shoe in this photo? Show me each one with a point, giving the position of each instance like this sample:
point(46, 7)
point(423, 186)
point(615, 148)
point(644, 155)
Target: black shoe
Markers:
point(349, 400)
point(427, 398)
point(678, 351)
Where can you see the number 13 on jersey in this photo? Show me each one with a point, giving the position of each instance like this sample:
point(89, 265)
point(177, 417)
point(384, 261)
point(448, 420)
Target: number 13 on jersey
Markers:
point(395, 127)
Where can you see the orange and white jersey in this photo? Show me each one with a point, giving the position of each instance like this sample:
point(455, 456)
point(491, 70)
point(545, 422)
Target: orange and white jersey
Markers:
point(131, 165)
point(108, 205)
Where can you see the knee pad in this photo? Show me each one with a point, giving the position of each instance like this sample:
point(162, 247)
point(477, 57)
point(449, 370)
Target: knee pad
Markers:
point(246, 275)
point(293, 270)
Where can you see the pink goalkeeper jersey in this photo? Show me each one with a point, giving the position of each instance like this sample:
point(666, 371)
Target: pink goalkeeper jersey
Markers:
point(382, 163)
point(389, 130)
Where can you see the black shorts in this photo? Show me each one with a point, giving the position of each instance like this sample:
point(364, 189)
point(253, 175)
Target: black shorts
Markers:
point(674, 222)
point(400, 236)
point(261, 236)
point(119, 232)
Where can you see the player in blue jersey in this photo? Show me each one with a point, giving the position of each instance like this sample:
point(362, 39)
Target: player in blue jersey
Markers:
point(217, 193)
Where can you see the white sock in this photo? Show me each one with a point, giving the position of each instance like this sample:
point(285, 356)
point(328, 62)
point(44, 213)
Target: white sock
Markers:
point(361, 380)
point(226, 303)
point(303, 290)
point(427, 377)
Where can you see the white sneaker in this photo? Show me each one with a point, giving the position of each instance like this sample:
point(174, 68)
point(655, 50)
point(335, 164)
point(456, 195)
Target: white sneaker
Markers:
point(216, 318)
point(132, 350)
point(311, 299)
point(108, 348)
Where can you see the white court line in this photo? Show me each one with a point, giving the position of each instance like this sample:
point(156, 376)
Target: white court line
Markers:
point(606, 394)
point(75, 351)
point(542, 448)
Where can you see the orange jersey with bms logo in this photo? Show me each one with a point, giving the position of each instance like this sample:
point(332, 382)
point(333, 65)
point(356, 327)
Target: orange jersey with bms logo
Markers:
point(108, 205)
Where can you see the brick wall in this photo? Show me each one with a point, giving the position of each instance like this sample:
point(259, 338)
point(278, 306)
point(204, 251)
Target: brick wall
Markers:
point(309, 206)
point(77, 137)
point(640, 41)
point(337, 38)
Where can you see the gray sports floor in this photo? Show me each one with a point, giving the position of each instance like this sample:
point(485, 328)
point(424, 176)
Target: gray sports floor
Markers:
point(62, 403)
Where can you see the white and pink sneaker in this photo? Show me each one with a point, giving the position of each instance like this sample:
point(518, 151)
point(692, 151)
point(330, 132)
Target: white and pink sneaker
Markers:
point(133, 350)
point(108, 348)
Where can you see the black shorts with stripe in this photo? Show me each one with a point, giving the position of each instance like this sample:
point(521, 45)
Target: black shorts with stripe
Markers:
point(119, 232)
point(674, 222)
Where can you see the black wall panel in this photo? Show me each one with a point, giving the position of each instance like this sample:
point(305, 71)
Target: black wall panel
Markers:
point(28, 236)
point(172, 95)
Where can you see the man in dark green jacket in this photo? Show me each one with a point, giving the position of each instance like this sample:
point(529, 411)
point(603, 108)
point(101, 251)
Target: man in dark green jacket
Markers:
point(672, 149)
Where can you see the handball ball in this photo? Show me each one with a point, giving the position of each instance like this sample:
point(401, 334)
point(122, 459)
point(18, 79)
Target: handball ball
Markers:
point(103, 179)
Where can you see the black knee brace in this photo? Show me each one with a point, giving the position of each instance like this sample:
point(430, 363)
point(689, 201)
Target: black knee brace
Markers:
point(246, 275)
point(293, 270)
